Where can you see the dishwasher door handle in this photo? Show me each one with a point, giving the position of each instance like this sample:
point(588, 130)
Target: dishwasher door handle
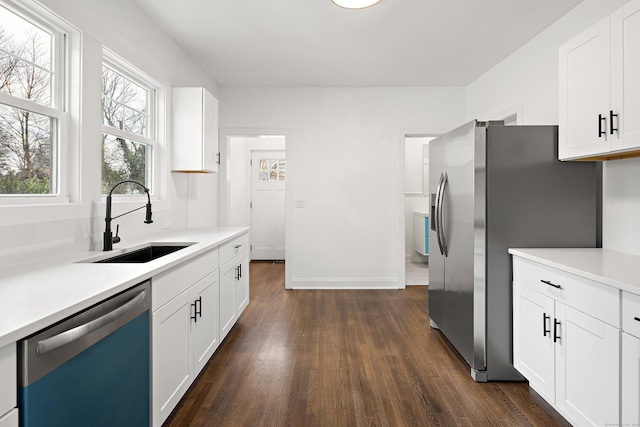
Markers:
point(78, 332)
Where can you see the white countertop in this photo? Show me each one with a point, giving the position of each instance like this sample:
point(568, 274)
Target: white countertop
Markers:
point(618, 269)
point(48, 291)
point(421, 213)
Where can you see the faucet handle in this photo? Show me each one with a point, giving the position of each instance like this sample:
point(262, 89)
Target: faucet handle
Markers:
point(116, 239)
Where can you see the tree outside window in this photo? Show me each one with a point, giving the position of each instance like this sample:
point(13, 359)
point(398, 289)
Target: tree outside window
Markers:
point(127, 146)
point(27, 121)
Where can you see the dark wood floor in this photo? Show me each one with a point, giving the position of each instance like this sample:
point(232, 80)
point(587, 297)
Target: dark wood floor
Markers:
point(345, 358)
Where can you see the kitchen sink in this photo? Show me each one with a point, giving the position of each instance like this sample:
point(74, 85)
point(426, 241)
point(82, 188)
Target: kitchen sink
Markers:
point(143, 254)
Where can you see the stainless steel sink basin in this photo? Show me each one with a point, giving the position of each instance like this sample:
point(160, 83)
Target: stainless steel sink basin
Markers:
point(142, 254)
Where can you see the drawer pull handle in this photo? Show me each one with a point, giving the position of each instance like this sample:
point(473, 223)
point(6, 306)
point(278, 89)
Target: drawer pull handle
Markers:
point(548, 282)
point(637, 318)
point(545, 331)
point(237, 246)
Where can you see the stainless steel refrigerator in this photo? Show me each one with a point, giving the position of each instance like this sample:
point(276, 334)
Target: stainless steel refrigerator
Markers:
point(493, 187)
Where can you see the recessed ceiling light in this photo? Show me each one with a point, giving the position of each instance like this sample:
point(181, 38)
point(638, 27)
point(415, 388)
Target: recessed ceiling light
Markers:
point(355, 4)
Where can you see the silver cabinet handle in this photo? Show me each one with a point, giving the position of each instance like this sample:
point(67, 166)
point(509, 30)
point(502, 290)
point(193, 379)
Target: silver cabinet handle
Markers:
point(73, 334)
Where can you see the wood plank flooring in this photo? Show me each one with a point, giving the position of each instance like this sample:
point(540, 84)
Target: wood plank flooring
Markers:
point(345, 358)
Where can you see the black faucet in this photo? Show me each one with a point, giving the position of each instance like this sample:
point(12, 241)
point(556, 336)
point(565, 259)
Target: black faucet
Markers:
point(107, 238)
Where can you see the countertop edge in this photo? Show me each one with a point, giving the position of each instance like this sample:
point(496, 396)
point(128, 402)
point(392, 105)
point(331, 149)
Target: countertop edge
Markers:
point(15, 333)
point(622, 269)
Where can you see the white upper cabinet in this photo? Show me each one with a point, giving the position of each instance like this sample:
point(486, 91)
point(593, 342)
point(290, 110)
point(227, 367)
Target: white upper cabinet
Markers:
point(194, 130)
point(599, 95)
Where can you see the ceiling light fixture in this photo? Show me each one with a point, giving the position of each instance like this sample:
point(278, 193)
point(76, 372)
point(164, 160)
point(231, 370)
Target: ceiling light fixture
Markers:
point(355, 4)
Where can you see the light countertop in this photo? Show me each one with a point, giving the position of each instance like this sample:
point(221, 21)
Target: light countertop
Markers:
point(47, 292)
point(618, 269)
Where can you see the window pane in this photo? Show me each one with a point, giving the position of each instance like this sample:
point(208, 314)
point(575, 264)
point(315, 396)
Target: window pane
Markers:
point(123, 159)
point(25, 152)
point(124, 103)
point(25, 59)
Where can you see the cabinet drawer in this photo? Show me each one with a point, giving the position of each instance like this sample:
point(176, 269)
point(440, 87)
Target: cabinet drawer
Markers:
point(233, 247)
point(599, 300)
point(8, 373)
point(631, 312)
point(167, 285)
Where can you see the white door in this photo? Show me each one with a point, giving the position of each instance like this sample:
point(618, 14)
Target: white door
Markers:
point(268, 174)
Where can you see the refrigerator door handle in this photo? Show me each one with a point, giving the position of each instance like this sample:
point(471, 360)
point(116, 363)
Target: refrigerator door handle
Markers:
point(436, 220)
point(445, 181)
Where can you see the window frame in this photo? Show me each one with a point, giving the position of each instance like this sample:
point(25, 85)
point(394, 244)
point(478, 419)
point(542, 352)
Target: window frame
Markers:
point(154, 140)
point(64, 38)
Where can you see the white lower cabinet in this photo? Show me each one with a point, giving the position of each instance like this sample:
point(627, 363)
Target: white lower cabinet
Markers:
point(569, 355)
point(194, 306)
point(234, 282)
point(185, 332)
point(8, 386)
point(630, 359)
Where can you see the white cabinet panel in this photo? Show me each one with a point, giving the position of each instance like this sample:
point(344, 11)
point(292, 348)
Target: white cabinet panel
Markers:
point(584, 92)
point(227, 298)
point(194, 130)
point(630, 380)
point(9, 383)
point(10, 420)
point(205, 329)
point(533, 346)
point(587, 368)
point(171, 361)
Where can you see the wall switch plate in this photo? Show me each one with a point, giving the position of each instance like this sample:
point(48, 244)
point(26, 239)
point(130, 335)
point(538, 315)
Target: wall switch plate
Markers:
point(299, 203)
point(166, 223)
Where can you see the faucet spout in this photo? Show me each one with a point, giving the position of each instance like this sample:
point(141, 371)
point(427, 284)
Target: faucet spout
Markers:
point(107, 237)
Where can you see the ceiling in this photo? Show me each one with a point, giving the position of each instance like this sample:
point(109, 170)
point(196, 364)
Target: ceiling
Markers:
point(315, 43)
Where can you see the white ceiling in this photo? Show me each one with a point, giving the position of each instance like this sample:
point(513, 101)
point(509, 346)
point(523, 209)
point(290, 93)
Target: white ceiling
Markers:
point(315, 43)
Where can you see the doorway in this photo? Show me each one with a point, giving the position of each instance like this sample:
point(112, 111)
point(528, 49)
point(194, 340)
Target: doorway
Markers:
point(255, 197)
point(416, 208)
point(268, 179)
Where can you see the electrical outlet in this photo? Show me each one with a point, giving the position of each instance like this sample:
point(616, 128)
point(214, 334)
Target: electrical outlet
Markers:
point(299, 203)
point(166, 223)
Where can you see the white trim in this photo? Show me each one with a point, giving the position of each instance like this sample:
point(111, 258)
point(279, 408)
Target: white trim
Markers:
point(348, 283)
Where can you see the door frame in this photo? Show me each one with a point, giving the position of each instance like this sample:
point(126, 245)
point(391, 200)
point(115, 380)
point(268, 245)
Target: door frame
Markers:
point(224, 207)
point(404, 133)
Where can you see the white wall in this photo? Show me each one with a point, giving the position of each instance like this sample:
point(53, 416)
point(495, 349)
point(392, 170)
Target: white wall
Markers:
point(123, 28)
point(344, 159)
point(530, 77)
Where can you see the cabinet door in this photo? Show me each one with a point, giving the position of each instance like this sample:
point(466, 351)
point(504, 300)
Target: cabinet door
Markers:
point(205, 327)
point(227, 294)
point(8, 373)
point(625, 69)
point(171, 358)
point(630, 380)
point(584, 93)
point(210, 131)
point(533, 347)
point(241, 296)
point(10, 419)
point(587, 368)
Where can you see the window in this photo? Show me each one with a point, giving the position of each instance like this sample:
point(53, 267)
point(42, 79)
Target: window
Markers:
point(128, 127)
point(272, 170)
point(32, 116)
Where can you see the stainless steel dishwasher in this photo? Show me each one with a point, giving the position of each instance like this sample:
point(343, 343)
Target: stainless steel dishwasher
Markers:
point(91, 369)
